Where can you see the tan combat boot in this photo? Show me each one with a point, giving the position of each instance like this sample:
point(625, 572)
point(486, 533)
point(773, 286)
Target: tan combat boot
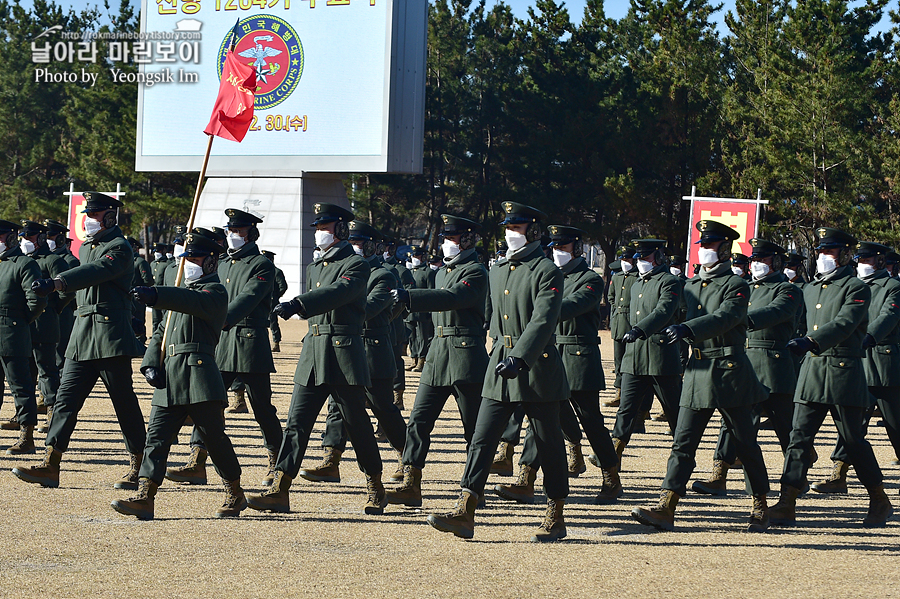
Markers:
point(553, 527)
point(130, 480)
point(880, 508)
point(619, 446)
point(759, 515)
point(270, 473)
point(662, 516)
point(235, 501)
point(276, 347)
point(837, 483)
point(717, 484)
point(420, 365)
point(276, 498)
point(46, 473)
point(521, 491)
point(43, 428)
point(141, 505)
point(25, 444)
point(661, 417)
point(576, 460)
point(614, 403)
point(400, 473)
point(410, 492)
point(237, 403)
point(193, 472)
point(612, 486)
point(10, 425)
point(376, 496)
point(783, 512)
point(503, 461)
point(328, 471)
point(411, 366)
point(41, 406)
point(461, 519)
point(398, 399)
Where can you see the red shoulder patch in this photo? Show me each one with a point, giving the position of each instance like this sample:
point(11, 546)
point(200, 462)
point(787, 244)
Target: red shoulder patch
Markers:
point(348, 278)
point(554, 289)
point(860, 301)
point(466, 283)
point(261, 278)
point(589, 287)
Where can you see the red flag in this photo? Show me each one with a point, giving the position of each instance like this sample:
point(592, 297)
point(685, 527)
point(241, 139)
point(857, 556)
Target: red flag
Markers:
point(233, 111)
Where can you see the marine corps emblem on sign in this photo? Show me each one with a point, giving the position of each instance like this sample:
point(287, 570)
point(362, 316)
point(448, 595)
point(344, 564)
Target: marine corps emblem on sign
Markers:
point(271, 46)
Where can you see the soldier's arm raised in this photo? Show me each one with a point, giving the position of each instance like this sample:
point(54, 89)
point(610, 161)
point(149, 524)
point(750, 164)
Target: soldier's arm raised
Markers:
point(208, 304)
point(117, 259)
point(258, 288)
point(583, 299)
point(782, 308)
point(465, 293)
point(888, 316)
point(542, 323)
point(346, 289)
point(854, 310)
point(56, 268)
point(31, 272)
point(670, 301)
point(731, 312)
point(380, 299)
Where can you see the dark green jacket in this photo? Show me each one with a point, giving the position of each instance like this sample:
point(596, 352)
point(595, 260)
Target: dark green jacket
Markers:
point(46, 328)
point(837, 313)
point(526, 296)
point(882, 362)
point(457, 353)
point(280, 287)
point(333, 352)
point(158, 270)
point(775, 305)
point(657, 300)
point(377, 329)
point(420, 275)
point(198, 312)
point(19, 306)
point(103, 313)
point(719, 373)
point(248, 277)
point(143, 274)
point(619, 298)
point(398, 324)
point(171, 272)
point(579, 321)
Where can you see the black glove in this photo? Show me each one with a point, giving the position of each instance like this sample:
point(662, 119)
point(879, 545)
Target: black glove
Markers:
point(400, 295)
point(633, 335)
point(801, 345)
point(869, 341)
point(510, 367)
point(677, 332)
point(287, 309)
point(43, 287)
point(145, 295)
point(154, 376)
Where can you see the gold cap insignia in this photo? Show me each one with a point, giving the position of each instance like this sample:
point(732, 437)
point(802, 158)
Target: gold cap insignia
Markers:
point(754, 242)
point(703, 225)
point(822, 232)
point(317, 208)
point(353, 224)
point(229, 212)
point(445, 218)
point(554, 230)
point(189, 238)
point(507, 206)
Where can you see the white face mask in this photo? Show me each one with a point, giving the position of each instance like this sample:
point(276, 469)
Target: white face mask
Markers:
point(2, 247)
point(386, 255)
point(179, 249)
point(450, 249)
point(759, 269)
point(358, 249)
point(561, 258)
point(707, 257)
point(515, 240)
point(192, 271)
point(434, 267)
point(234, 240)
point(627, 266)
point(865, 270)
point(169, 255)
point(51, 244)
point(26, 246)
point(675, 270)
point(644, 266)
point(324, 239)
point(92, 226)
point(790, 273)
point(737, 270)
point(825, 264)
point(156, 255)
point(416, 262)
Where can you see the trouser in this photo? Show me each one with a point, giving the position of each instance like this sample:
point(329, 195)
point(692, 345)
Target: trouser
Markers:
point(513, 431)
point(780, 407)
point(21, 384)
point(637, 392)
point(427, 409)
point(306, 403)
point(493, 417)
point(586, 405)
point(618, 353)
point(888, 401)
point(77, 382)
point(808, 419)
point(275, 327)
point(66, 322)
point(381, 398)
point(43, 367)
point(259, 392)
point(400, 377)
point(688, 434)
point(166, 421)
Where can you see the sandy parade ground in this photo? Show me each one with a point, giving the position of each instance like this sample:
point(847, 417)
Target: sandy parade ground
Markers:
point(68, 542)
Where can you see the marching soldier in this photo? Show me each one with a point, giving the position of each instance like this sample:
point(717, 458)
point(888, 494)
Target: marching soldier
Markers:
point(525, 369)
point(102, 344)
point(158, 267)
point(740, 265)
point(332, 361)
point(718, 376)
point(882, 355)
point(649, 363)
point(401, 333)
point(243, 350)
point(421, 327)
point(676, 266)
point(457, 360)
point(832, 378)
point(771, 322)
point(578, 345)
point(58, 243)
point(278, 290)
point(143, 276)
point(186, 378)
point(171, 272)
point(618, 297)
point(377, 337)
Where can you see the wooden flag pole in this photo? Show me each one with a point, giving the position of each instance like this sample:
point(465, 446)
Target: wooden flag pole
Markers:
point(190, 226)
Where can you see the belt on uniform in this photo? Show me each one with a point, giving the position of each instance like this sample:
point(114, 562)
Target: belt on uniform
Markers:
point(510, 340)
point(442, 331)
point(376, 331)
point(253, 324)
point(577, 340)
point(764, 344)
point(190, 348)
point(334, 329)
point(842, 352)
point(717, 352)
point(88, 309)
point(12, 312)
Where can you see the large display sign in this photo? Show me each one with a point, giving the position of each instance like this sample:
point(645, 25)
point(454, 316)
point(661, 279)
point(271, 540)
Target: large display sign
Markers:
point(340, 85)
point(741, 215)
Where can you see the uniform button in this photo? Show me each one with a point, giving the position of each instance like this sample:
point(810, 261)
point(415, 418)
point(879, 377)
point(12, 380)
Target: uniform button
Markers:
point(704, 284)
point(449, 269)
point(638, 313)
point(815, 327)
point(825, 286)
point(14, 322)
point(227, 280)
point(621, 299)
point(841, 363)
point(337, 342)
point(699, 306)
point(464, 343)
point(199, 362)
point(578, 353)
point(106, 318)
point(512, 267)
point(640, 295)
point(376, 342)
point(506, 292)
point(233, 261)
point(818, 306)
point(749, 304)
point(731, 364)
point(887, 351)
point(324, 264)
point(506, 317)
point(318, 284)
point(546, 355)
point(441, 287)
point(249, 334)
point(777, 355)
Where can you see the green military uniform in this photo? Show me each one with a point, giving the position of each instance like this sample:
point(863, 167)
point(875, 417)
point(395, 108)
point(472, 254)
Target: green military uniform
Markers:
point(401, 333)
point(67, 311)
point(619, 298)
point(421, 328)
point(143, 275)
point(278, 290)
point(158, 270)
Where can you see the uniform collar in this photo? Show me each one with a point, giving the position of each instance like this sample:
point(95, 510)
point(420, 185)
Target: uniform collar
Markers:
point(461, 257)
point(876, 276)
point(841, 272)
point(528, 255)
point(337, 251)
point(772, 277)
point(575, 265)
point(655, 271)
point(12, 252)
point(248, 249)
point(719, 270)
point(105, 235)
point(212, 277)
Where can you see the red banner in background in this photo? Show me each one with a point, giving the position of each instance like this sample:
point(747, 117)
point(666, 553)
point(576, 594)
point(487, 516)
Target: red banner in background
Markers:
point(741, 216)
point(76, 222)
